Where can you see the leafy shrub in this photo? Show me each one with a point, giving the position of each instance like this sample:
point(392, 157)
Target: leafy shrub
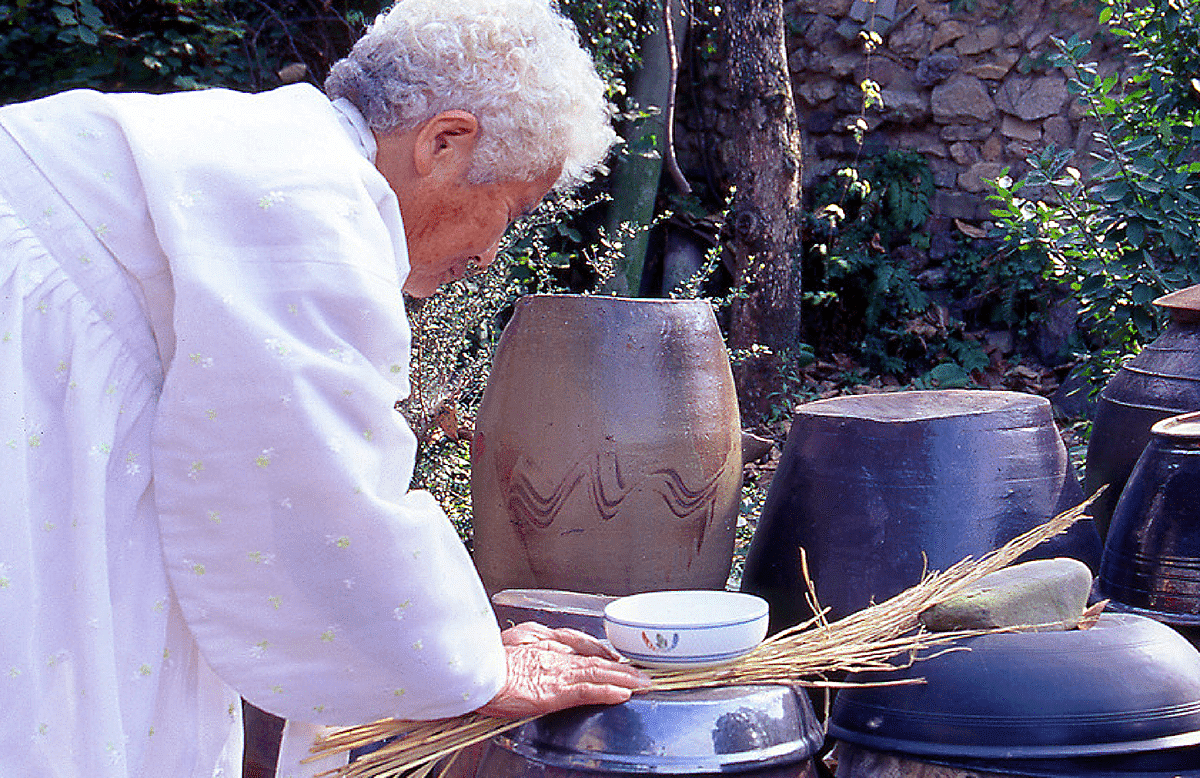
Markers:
point(1128, 231)
point(855, 281)
point(163, 45)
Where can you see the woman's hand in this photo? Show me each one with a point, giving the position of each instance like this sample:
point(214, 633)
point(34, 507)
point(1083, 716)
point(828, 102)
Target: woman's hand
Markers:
point(551, 669)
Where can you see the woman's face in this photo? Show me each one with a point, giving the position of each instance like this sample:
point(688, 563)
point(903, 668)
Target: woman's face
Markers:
point(455, 228)
point(452, 226)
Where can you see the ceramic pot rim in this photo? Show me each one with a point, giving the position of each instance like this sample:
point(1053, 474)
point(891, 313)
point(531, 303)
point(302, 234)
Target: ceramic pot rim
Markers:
point(924, 406)
point(1185, 426)
point(1186, 299)
point(529, 298)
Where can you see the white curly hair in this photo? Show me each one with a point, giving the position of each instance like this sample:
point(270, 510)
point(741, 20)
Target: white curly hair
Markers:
point(517, 65)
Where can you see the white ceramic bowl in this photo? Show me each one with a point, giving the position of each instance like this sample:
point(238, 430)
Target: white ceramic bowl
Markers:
point(688, 628)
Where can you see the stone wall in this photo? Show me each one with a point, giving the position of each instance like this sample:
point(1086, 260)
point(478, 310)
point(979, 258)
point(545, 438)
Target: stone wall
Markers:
point(968, 89)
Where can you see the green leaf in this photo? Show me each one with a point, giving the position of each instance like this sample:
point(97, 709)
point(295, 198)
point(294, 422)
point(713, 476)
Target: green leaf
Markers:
point(1135, 232)
point(948, 375)
point(1143, 294)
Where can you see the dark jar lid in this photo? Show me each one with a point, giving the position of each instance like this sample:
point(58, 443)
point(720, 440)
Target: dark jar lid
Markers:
point(727, 729)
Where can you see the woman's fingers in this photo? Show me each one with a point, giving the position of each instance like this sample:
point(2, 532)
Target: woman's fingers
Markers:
point(542, 680)
point(584, 644)
point(561, 639)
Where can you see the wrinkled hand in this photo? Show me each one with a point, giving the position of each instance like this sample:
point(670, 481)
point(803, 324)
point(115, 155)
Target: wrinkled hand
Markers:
point(552, 669)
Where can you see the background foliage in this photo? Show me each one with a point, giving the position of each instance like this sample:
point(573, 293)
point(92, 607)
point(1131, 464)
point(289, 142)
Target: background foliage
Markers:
point(1129, 230)
point(160, 45)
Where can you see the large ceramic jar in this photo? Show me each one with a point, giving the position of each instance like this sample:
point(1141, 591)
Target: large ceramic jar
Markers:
point(759, 731)
point(877, 489)
point(607, 453)
point(1161, 381)
point(1152, 555)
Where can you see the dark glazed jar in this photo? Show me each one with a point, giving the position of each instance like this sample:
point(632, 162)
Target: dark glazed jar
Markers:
point(1161, 381)
point(877, 489)
point(1151, 559)
point(762, 731)
point(607, 454)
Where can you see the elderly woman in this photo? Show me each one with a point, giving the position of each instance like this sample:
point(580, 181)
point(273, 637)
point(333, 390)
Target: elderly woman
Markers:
point(202, 338)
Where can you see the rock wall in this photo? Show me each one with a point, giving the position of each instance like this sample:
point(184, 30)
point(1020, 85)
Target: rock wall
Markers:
point(964, 83)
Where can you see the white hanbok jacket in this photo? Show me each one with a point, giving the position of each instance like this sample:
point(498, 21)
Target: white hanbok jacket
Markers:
point(203, 478)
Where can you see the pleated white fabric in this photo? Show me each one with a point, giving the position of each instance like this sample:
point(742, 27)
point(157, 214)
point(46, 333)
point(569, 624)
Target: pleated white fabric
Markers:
point(203, 477)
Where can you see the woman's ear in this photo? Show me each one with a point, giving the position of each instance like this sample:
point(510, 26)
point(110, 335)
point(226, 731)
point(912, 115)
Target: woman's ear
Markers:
point(447, 141)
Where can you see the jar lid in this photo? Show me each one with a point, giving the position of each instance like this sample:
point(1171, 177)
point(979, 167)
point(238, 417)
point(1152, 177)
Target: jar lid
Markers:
point(1185, 425)
point(1187, 299)
point(686, 732)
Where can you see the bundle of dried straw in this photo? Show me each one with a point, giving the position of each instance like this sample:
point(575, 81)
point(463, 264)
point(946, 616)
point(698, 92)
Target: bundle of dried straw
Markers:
point(806, 654)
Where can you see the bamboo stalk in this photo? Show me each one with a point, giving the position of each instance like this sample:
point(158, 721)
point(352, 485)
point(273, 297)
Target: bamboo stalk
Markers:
point(869, 640)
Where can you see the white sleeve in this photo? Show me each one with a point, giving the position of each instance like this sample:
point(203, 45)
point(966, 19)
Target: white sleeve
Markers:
point(315, 583)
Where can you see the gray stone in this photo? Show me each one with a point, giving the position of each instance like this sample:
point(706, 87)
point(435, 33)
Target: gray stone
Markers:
point(1051, 593)
point(962, 98)
point(1021, 149)
point(934, 13)
point(755, 447)
point(1038, 37)
point(849, 99)
point(910, 39)
point(956, 205)
point(820, 121)
point(820, 169)
point(845, 64)
point(863, 10)
point(904, 106)
point(1072, 399)
point(945, 173)
point(975, 178)
point(887, 72)
point(1059, 131)
point(1010, 92)
point(1033, 98)
point(992, 149)
point(849, 30)
point(817, 90)
point(1012, 127)
point(947, 33)
point(819, 30)
point(835, 8)
point(921, 142)
point(995, 67)
point(956, 132)
point(1053, 335)
point(1045, 97)
point(875, 15)
point(798, 60)
point(936, 68)
point(986, 38)
point(942, 246)
point(964, 153)
point(818, 62)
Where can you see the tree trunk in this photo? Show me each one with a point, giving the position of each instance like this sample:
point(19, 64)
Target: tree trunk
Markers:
point(763, 157)
point(636, 179)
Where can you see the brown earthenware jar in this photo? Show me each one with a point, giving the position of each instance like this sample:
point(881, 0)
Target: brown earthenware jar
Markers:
point(607, 454)
point(1163, 380)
